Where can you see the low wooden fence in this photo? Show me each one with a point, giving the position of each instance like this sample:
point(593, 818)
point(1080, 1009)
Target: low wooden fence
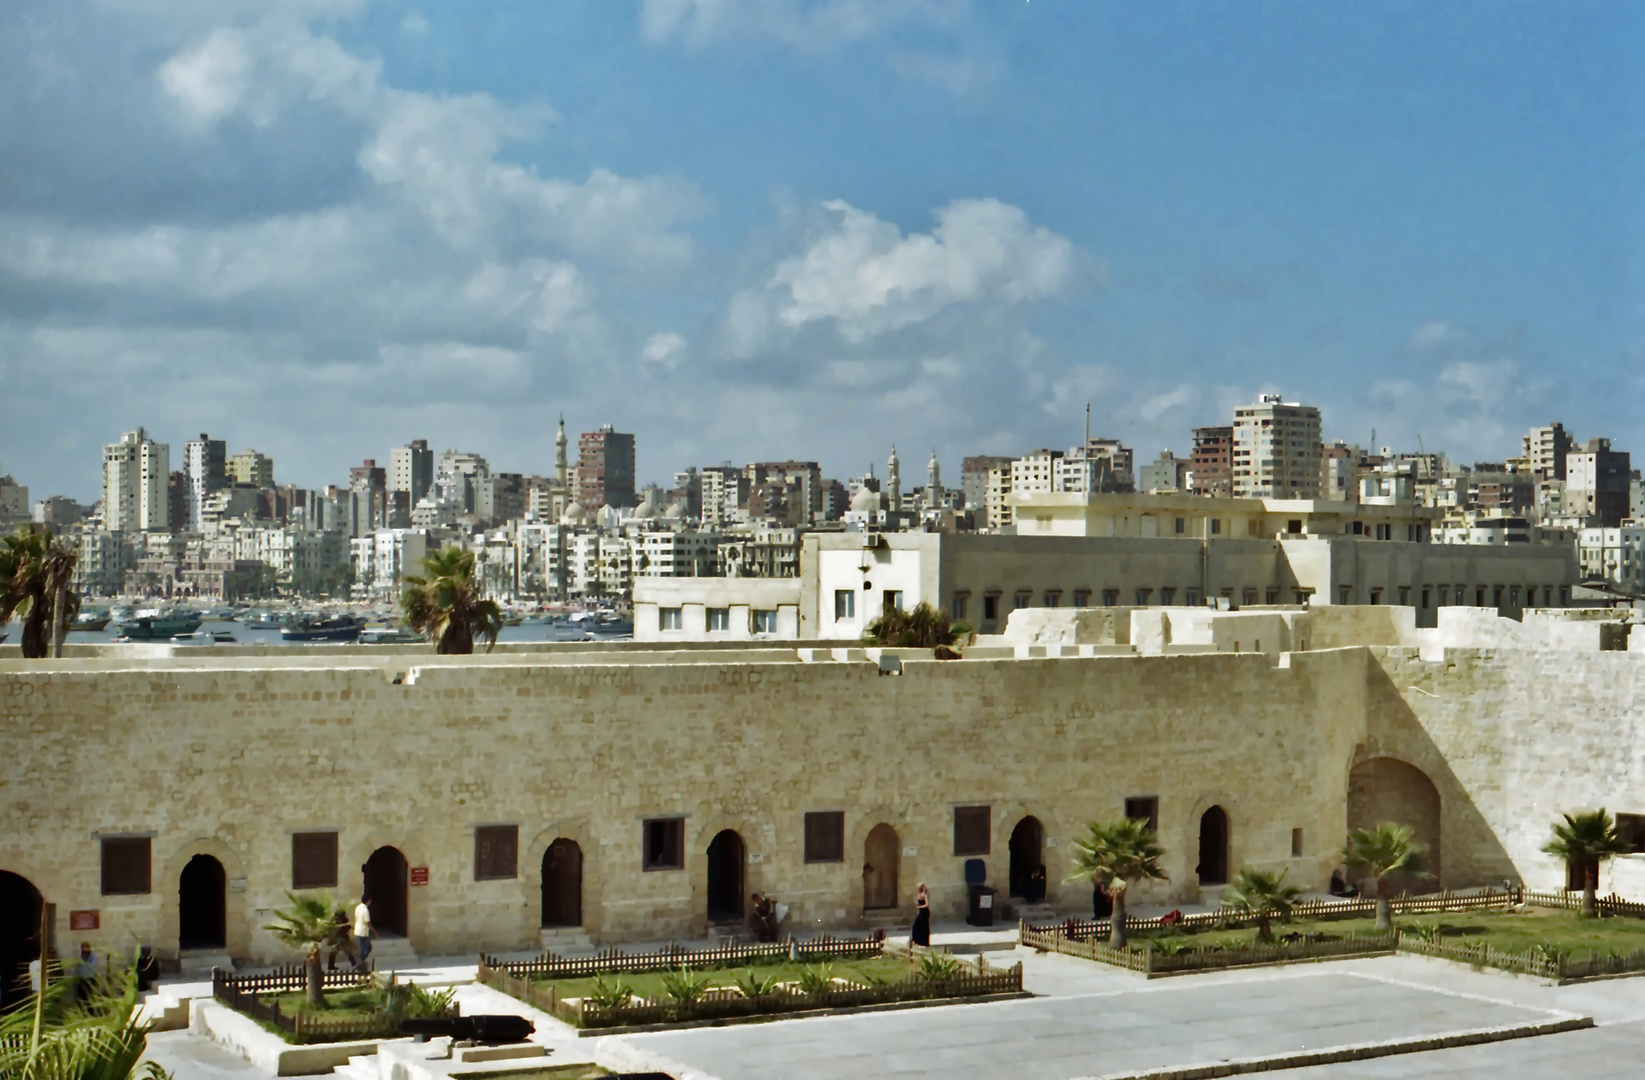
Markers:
point(1546, 966)
point(1158, 962)
point(614, 961)
point(964, 979)
point(1572, 901)
point(1231, 918)
point(246, 994)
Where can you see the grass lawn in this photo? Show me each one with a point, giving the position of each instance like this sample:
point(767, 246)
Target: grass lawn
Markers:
point(649, 984)
point(1509, 931)
point(347, 1004)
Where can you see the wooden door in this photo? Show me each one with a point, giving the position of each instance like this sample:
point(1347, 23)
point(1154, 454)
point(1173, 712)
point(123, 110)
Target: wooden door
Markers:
point(879, 870)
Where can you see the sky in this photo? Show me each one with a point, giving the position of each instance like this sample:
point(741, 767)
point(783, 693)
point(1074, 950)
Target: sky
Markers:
point(815, 229)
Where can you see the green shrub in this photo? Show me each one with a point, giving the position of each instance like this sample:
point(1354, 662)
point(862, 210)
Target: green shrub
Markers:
point(610, 995)
point(817, 980)
point(685, 987)
point(753, 985)
point(936, 967)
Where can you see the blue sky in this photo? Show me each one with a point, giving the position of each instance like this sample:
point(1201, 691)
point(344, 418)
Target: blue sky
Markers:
point(808, 228)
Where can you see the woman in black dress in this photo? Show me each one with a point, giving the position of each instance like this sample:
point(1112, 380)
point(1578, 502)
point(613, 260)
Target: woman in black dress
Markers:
point(922, 918)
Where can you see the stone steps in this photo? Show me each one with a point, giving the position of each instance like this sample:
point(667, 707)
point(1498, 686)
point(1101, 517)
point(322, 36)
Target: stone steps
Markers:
point(1037, 914)
point(393, 954)
point(199, 962)
point(359, 1067)
point(566, 940)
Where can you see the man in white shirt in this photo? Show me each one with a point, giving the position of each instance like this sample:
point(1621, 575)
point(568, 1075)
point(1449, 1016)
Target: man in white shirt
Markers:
point(363, 930)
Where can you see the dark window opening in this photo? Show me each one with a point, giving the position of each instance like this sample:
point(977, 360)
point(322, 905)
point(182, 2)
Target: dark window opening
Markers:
point(314, 860)
point(125, 865)
point(664, 844)
point(973, 828)
point(1144, 808)
point(990, 608)
point(825, 836)
point(1630, 829)
point(496, 852)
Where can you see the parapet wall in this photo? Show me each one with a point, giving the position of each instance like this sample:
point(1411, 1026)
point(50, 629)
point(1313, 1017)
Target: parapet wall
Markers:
point(229, 761)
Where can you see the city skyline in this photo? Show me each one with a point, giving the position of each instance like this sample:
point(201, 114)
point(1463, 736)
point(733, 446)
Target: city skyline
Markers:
point(816, 229)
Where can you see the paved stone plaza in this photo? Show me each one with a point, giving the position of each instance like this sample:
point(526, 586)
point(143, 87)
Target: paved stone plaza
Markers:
point(1091, 1020)
point(1148, 1026)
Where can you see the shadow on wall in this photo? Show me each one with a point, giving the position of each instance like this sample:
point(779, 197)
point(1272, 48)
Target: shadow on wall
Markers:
point(1399, 774)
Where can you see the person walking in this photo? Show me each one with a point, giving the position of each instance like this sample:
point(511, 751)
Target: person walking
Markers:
point(921, 934)
point(364, 931)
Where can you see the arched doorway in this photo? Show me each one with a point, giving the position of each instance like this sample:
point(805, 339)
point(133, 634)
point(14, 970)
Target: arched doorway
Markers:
point(726, 856)
point(1027, 856)
point(880, 853)
point(20, 906)
point(1387, 789)
point(385, 886)
point(202, 899)
point(1213, 847)
point(563, 884)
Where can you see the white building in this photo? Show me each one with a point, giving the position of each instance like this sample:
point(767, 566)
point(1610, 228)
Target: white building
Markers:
point(383, 559)
point(1616, 555)
point(136, 472)
point(1277, 450)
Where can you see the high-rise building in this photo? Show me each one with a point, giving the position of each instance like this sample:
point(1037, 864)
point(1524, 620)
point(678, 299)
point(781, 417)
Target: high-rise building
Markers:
point(253, 468)
point(1101, 465)
point(205, 463)
point(367, 499)
point(411, 469)
point(974, 480)
point(177, 493)
point(1277, 450)
point(1000, 485)
point(1597, 483)
point(725, 491)
point(136, 484)
point(1545, 450)
point(605, 469)
point(1210, 465)
point(807, 475)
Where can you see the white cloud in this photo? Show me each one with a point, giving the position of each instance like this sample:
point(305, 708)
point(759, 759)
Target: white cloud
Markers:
point(1432, 335)
point(866, 277)
point(961, 76)
point(1156, 406)
point(810, 25)
point(1484, 381)
point(667, 349)
point(415, 24)
point(209, 80)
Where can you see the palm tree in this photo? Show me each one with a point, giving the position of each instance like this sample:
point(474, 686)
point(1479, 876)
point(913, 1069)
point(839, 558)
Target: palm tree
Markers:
point(445, 605)
point(1113, 855)
point(36, 581)
point(923, 628)
point(79, 1032)
point(1264, 894)
point(309, 925)
point(1586, 839)
point(1385, 848)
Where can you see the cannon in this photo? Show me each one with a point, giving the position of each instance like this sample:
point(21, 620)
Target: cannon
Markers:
point(490, 1029)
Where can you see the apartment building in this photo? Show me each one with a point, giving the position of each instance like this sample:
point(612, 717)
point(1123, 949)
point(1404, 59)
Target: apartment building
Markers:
point(605, 469)
point(251, 467)
point(136, 484)
point(1277, 450)
point(1210, 463)
point(1597, 481)
point(411, 469)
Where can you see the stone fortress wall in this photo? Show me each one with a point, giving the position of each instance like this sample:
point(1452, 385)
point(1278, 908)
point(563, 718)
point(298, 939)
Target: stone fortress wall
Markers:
point(228, 757)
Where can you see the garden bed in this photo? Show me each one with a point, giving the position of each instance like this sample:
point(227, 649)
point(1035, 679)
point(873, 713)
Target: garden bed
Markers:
point(674, 989)
point(1547, 943)
point(356, 1006)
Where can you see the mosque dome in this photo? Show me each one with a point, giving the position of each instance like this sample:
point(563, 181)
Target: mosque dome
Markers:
point(675, 512)
point(865, 502)
point(647, 509)
point(574, 514)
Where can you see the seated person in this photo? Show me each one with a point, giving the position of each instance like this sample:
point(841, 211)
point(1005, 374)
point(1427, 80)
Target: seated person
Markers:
point(763, 918)
point(1035, 892)
point(1340, 887)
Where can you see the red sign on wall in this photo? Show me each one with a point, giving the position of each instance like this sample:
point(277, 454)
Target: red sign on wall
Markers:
point(419, 875)
point(84, 920)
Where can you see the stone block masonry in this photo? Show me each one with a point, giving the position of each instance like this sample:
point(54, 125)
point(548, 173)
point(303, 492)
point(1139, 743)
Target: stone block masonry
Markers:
point(227, 760)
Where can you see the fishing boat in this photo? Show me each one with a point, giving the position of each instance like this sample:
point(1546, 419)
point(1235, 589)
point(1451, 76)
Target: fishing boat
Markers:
point(263, 620)
point(317, 628)
point(158, 624)
point(90, 621)
point(390, 635)
point(204, 637)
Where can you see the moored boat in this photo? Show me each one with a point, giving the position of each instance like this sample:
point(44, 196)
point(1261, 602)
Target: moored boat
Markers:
point(158, 624)
point(317, 628)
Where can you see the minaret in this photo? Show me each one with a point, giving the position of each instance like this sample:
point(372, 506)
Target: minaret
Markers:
point(933, 482)
point(893, 483)
point(559, 455)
